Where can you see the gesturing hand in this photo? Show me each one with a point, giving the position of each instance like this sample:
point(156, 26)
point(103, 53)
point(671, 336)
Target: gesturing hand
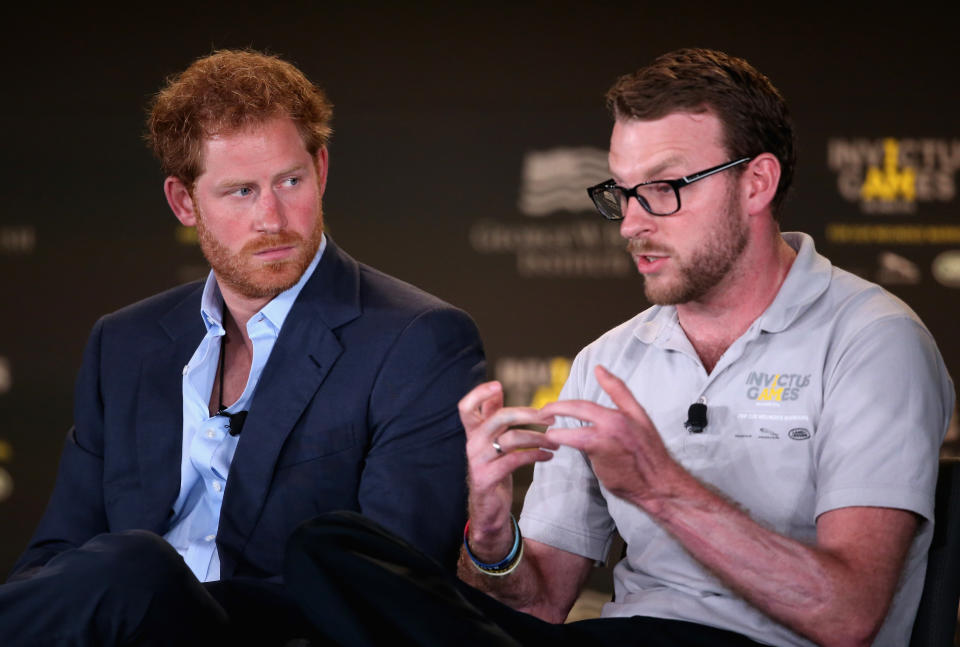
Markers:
point(627, 453)
point(488, 425)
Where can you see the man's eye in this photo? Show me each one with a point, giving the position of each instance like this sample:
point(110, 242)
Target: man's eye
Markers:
point(292, 181)
point(243, 191)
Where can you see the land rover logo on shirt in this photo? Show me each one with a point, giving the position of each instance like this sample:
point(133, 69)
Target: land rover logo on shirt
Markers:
point(798, 433)
point(775, 387)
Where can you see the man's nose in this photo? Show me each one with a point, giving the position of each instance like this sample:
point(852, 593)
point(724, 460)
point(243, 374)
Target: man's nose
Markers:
point(270, 218)
point(637, 221)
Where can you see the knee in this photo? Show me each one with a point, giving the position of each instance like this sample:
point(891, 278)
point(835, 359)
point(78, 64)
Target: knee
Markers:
point(135, 558)
point(302, 550)
point(317, 546)
point(347, 544)
point(328, 532)
point(148, 581)
point(122, 584)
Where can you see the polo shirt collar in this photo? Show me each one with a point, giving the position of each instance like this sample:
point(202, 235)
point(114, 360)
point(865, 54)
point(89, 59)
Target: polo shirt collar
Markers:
point(656, 322)
point(808, 278)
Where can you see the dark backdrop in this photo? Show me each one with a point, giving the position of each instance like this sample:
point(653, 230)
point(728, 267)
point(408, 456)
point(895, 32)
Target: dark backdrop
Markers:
point(454, 127)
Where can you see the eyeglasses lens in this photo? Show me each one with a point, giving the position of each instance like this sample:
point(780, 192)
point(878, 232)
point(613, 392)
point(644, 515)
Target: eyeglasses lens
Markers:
point(608, 202)
point(660, 198)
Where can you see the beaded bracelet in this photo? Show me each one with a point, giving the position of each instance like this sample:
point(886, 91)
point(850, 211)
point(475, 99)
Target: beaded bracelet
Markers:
point(506, 565)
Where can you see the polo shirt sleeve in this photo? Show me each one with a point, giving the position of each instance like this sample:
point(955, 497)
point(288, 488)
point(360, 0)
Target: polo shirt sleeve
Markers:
point(564, 506)
point(887, 400)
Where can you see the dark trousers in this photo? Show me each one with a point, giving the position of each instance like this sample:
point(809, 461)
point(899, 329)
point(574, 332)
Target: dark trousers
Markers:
point(361, 585)
point(132, 588)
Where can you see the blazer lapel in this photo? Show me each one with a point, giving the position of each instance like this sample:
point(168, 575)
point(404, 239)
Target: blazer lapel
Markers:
point(159, 412)
point(302, 357)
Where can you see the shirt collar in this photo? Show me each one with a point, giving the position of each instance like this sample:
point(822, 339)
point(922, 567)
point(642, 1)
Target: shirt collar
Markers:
point(276, 311)
point(654, 322)
point(808, 278)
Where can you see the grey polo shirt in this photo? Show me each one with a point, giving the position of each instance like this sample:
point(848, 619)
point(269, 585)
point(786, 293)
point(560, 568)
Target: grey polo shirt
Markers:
point(835, 396)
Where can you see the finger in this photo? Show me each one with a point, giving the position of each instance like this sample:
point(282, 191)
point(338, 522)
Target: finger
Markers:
point(480, 402)
point(495, 471)
point(505, 418)
point(491, 404)
point(580, 409)
point(581, 438)
point(523, 439)
point(619, 393)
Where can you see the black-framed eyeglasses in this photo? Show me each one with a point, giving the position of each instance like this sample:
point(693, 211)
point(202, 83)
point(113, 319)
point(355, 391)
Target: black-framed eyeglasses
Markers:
point(658, 197)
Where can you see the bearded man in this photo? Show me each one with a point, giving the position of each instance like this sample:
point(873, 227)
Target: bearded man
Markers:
point(212, 419)
point(764, 437)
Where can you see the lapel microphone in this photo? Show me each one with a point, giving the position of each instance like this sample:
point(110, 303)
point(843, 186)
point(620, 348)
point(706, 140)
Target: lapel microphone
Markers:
point(234, 421)
point(696, 418)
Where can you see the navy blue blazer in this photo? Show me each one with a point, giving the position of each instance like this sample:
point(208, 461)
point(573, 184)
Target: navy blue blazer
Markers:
point(355, 410)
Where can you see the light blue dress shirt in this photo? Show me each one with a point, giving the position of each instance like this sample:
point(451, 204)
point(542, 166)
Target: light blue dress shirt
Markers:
point(208, 447)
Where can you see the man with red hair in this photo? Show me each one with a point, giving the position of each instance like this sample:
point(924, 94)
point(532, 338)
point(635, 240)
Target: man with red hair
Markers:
point(212, 419)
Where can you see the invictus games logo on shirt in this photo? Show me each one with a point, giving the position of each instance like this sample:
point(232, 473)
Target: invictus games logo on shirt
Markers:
point(890, 175)
point(775, 387)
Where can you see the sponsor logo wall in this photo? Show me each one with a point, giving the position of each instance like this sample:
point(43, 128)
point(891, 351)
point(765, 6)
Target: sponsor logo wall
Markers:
point(892, 175)
point(902, 193)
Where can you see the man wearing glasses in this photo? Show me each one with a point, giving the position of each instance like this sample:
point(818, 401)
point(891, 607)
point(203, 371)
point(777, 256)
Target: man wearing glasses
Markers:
point(764, 437)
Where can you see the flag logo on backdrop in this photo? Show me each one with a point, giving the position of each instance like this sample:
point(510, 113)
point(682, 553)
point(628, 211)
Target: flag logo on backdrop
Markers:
point(558, 233)
point(18, 240)
point(556, 179)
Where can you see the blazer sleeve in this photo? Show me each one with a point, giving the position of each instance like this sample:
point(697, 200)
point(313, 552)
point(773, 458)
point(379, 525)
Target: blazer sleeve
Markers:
point(75, 512)
point(414, 477)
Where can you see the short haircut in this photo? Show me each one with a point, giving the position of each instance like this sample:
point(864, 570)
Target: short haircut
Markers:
point(752, 111)
point(226, 92)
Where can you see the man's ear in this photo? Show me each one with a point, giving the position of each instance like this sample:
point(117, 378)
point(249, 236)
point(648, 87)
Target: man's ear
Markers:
point(761, 177)
point(180, 201)
point(322, 160)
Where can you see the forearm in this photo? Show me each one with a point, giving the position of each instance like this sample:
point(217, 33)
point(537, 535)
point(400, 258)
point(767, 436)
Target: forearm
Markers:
point(519, 590)
point(491, 539)
point(814, 590)
point(778, 575)
point(546, 580)
point(527, 588)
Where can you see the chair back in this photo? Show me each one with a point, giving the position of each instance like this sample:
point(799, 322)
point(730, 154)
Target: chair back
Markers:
point(936, 621)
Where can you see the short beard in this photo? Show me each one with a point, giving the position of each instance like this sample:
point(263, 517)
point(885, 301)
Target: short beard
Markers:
point(707, 266)
point(253, 280)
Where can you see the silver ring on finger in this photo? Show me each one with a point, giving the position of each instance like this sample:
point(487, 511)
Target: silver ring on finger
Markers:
point(497, 448)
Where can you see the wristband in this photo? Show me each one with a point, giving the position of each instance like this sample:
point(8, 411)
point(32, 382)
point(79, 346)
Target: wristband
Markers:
point(505, 565)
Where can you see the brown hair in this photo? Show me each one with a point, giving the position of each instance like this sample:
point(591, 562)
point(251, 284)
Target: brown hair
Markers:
point(225, 92)
point(753, 113)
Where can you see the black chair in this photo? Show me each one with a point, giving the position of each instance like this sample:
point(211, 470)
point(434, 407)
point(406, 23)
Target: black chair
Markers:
point(936, 620)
